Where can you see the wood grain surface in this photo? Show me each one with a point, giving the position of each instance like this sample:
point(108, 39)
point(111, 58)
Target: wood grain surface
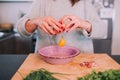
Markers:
point(34, 62)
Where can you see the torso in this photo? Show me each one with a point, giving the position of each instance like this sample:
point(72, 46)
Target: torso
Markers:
point(74, 38)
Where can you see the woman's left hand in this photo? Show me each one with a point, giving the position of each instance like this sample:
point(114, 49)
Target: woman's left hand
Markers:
point(71, 22)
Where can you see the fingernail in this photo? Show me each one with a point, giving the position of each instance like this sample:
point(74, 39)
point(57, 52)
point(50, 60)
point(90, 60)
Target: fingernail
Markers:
point(67, 31)
point(59, 31)
point(60, 22)
point(62, 27)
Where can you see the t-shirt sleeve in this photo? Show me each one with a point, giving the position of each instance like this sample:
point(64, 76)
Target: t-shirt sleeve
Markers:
point(34, 12)
point(99, 29)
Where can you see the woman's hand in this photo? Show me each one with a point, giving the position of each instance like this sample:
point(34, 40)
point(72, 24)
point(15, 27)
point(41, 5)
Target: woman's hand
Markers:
point(71, 22)
point(48, 24)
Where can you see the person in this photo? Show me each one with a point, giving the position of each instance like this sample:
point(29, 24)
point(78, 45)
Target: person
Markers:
point(76, 20)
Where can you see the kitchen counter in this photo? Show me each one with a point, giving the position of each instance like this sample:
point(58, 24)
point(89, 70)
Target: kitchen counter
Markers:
point(9, 65)
point(4, 35)
point(34, 62)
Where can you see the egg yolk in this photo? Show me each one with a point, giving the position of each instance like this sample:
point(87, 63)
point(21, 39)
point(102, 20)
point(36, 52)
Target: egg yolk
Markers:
point(62, 42)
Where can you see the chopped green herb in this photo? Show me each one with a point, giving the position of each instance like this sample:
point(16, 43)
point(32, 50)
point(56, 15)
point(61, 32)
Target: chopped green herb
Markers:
point(106, 75)
point(43, 74)
point(40, 74)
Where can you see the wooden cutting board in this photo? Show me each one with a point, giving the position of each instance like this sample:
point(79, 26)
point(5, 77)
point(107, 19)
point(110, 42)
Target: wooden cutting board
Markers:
point(34, 62)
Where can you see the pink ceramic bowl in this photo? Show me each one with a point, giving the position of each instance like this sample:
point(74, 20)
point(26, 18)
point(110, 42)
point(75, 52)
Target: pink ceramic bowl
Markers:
point(58, 55)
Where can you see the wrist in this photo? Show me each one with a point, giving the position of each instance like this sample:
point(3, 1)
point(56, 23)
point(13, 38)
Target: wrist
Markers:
point(87, 26)
point(30, 26)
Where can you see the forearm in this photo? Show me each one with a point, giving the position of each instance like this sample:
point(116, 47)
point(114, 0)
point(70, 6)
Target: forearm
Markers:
point(20, 25)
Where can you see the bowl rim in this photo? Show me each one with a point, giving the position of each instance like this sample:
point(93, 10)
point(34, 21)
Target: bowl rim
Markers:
point(53, 57)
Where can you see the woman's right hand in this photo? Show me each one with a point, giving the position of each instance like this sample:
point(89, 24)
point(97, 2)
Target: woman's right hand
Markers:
point(48, 24)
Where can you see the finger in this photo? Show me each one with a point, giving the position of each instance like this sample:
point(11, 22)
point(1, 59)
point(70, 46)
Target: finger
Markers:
point(57, 28)
point(70, 24)
point(49, 28)
point(56, 23)
point(55, 31)
point(72, 28)
point(54, 26)
point(65, 18)
point(44, 29)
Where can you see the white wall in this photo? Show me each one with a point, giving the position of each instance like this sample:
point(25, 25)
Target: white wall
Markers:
point(10, 12)
point(116, 30)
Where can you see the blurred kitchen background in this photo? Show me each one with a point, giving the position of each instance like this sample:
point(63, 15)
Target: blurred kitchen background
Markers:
point(12, 43)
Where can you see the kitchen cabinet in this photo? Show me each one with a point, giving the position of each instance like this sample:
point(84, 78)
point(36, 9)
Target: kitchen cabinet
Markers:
point(15, 44)
point(102, 46)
